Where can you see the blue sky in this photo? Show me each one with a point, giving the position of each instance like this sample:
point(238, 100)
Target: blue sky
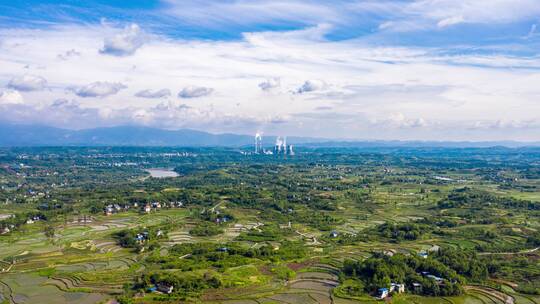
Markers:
point(365, 69)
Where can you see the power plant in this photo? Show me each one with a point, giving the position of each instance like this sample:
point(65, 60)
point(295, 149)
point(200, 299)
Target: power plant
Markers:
point(280, 147)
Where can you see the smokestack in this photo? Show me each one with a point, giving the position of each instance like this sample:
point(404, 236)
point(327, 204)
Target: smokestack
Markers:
point(279, 144)
point(258, 143)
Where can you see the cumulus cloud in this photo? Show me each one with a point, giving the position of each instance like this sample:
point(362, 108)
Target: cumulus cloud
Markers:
point(125, 43)
point(64, 103)
point(99, 89)
point(311, 86)
point(153, 94)
point(399, 120)
point(27, 83)
point(11, 97)
point(270, 84)
point(194, 92)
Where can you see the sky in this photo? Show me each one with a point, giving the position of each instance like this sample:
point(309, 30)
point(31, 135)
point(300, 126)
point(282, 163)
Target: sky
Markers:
point(367, 69)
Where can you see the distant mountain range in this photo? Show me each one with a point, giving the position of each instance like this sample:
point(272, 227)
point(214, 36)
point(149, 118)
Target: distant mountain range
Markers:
point(33, 135)
point(36, 135)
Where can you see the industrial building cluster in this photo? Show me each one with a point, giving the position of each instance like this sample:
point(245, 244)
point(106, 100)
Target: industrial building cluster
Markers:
point(280, 147)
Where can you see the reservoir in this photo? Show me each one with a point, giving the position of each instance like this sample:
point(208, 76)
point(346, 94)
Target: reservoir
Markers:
point(160, 173)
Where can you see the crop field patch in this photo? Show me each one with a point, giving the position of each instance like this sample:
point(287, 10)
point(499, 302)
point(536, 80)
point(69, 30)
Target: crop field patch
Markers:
point(316, 275)
point(293, 298)
point(28, 288)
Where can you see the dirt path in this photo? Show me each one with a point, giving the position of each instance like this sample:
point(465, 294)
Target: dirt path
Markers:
point(510, 253)
point(7, 269)
point(511, 284)
point(313, 239)
point(217, 205)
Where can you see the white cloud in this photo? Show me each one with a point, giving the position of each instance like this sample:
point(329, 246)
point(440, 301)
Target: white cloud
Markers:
point(11, 97)
point(439, 93)
point(28, 83)
point(450, 21)
point(532, 31)
point(422, 14)
point(125, 43)
point(68, 55)
point(216, 13)
point(395, 15)
point(270, 84)
point(399, 120)
point(154, 94)
point(311, 86)
point(194, 92)
point(99, 89)
point(64, 103)
point(479, 11)
point(504, 124)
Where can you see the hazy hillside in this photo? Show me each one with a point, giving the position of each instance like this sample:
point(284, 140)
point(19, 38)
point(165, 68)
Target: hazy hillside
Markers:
point(36, 135)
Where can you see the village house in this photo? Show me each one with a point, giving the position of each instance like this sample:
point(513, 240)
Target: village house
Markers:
point(437, 279)
point(33, 220)
point(109, 210)
point(287, 226)
point(147, 208)
point(165, 288)
point(140, 238)
point(399, 288)
point(383, 293)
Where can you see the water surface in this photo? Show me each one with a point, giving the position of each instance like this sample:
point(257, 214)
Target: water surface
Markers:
point(160, 173)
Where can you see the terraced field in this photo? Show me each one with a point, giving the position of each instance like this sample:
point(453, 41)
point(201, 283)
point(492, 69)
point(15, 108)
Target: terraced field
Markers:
point(27, 288)
point(312, 284)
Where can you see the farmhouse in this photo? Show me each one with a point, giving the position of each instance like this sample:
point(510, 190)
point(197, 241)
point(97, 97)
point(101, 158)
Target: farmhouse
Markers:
point(147, 208)
point(383, 293)
point(399, 288)
point(436, 278)
point(165, 288)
